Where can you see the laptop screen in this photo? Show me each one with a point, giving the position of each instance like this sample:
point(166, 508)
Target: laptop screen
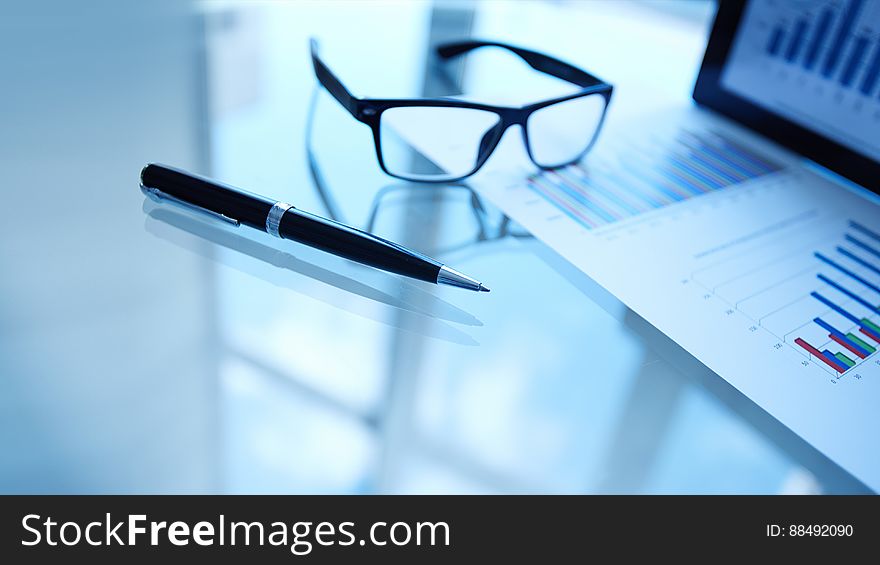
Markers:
point(805, 73)
point(817, 64)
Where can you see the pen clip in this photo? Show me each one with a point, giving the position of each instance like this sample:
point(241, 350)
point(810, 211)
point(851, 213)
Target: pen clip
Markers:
point(157, 195)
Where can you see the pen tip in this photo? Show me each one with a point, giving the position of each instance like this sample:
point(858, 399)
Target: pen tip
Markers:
point(484, 289)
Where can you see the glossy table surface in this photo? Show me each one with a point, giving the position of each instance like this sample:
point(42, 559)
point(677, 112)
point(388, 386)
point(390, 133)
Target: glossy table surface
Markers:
point(143, 349)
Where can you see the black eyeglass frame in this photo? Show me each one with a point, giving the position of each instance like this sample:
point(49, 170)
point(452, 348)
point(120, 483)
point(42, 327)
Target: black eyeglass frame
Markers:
point(369, 110)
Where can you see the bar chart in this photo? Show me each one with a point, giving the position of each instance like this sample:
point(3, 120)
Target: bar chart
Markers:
point(840, 41)
point(823, 301)
point(815, 63)
point(658, 172)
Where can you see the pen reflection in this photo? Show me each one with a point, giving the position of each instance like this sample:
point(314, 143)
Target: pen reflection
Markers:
point(278, 267)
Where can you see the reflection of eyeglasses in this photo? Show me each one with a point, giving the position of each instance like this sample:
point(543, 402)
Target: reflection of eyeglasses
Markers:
point(474, 222)
point(445, 139)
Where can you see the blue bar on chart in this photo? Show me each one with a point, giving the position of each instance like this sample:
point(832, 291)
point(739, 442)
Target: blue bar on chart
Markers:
point(847, 272)
point(823, 356)
point(848, 343)
point(850, 294)
point(866, 326)
point(775, 43)
point(797, 39)
point(832, 360)
point(844, 30)
point(840, 310)
point(859, 227)
point(852, 64)
point(818, 39)
point(863, 246)
point(853, 257)
point(839, 337)
point(872, 73)
point(686, 166)
point(855, 344)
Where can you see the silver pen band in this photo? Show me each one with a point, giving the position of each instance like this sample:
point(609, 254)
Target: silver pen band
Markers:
point(273, 220)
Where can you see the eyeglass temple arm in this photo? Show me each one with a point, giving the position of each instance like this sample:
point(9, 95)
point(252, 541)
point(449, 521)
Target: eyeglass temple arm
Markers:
point(333, 85)
point(537, 61)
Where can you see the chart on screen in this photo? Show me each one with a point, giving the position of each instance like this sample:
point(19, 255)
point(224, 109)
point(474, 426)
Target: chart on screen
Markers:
point(805, 60)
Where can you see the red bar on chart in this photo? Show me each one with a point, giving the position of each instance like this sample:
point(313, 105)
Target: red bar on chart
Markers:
point(870, 334)
point(848, 345)
point(818, 355)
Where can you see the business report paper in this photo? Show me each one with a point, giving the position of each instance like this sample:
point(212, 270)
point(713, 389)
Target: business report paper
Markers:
point(769, 275)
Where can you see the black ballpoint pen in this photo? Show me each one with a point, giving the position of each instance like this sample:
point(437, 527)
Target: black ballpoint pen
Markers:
point(282, 220)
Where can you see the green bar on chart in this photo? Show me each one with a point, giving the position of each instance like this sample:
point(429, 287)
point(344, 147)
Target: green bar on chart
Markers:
point(871, 324)
point(845, 360)
point(864, 345)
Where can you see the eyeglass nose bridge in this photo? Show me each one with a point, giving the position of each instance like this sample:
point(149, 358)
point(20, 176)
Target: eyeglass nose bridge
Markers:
point(508, 118)
point(490, 140)
point(520, 117)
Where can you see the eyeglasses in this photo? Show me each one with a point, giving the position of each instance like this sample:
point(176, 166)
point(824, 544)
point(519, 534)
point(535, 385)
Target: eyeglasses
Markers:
point(446, 139)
